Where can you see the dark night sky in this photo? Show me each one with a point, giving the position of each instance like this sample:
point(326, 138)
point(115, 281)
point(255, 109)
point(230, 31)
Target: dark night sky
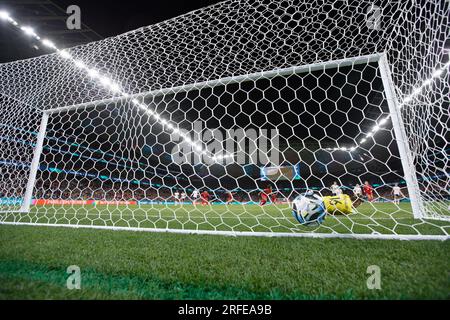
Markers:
point(107, 18)
point(110, 18)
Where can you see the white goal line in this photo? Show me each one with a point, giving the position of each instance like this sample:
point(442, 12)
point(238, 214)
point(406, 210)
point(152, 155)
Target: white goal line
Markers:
point(373, 236)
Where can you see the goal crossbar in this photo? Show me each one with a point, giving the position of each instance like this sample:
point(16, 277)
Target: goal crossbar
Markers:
point(366, 59)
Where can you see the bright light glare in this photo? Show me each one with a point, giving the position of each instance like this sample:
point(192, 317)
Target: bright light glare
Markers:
point(4, 15)
point(198, 148)
point(417, 91)
point(64, 54)
point(80, 64)
point(93, 73)
point(28, 31)
point(437, 73)
point(105, 81)
point(114, 87)
point(383, 121)
point(48, 43)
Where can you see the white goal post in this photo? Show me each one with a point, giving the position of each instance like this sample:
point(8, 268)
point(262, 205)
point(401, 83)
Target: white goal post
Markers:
point(196, 126)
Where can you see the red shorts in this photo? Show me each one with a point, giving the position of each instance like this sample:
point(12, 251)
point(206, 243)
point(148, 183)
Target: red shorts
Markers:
point(264, 199)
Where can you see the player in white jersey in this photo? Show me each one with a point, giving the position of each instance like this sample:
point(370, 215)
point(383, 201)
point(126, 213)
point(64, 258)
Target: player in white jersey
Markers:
point(176, 195)
point(335, 189)
point(357, 191)
point(398, 194)
point(194, 196)
point(182, 198)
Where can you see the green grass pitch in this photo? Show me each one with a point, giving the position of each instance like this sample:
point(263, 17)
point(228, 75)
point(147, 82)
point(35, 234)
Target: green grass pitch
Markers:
point(141, 265)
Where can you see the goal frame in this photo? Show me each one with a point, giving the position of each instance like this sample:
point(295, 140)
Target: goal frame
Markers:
point(394, 110)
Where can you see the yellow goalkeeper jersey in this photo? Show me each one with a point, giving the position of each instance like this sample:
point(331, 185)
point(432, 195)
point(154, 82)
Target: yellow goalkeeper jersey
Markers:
point(341, 204)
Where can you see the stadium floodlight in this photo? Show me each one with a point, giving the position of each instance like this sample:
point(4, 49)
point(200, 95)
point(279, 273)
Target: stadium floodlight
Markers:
point(198, 148)
point(28, 31)
point(417, 91)
point(82, 132)
point(4, 15)
point(383, 121)
point(48, 44)
point(93, 73)
point(64, 54)
point(80, 64)
point(437, 73)
point(408, 99)
point(105, 81)
point(114, 87)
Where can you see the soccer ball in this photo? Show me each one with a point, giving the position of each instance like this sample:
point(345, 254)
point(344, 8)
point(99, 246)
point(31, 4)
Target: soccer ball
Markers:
point(309, 209)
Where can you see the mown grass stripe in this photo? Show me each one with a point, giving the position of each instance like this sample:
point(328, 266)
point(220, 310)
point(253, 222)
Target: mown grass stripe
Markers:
point(122, 287)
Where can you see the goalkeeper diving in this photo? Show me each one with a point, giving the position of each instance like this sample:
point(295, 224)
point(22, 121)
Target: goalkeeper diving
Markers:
point(311, 208)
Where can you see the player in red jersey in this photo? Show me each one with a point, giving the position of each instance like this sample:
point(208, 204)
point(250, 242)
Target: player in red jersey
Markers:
point(229, 197)
point(273, 197)
point(368, 191)
point(205, 198)
point(265, 195)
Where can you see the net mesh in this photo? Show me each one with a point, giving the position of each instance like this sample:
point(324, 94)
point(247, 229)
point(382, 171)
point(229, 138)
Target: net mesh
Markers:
point(282, 97)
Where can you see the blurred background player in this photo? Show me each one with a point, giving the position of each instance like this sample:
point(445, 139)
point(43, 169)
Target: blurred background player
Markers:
point(357, 192)
point(182, 198)
point(194, 196)
point(357, 196)
point(368, 191)
point(230, 197)
point(273, 197)
point(205, 198)
point(176, 196)
point(335, 189)
point(397, 193)
point(264, 195)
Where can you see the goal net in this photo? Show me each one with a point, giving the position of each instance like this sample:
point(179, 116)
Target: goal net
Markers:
point(220, 120)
